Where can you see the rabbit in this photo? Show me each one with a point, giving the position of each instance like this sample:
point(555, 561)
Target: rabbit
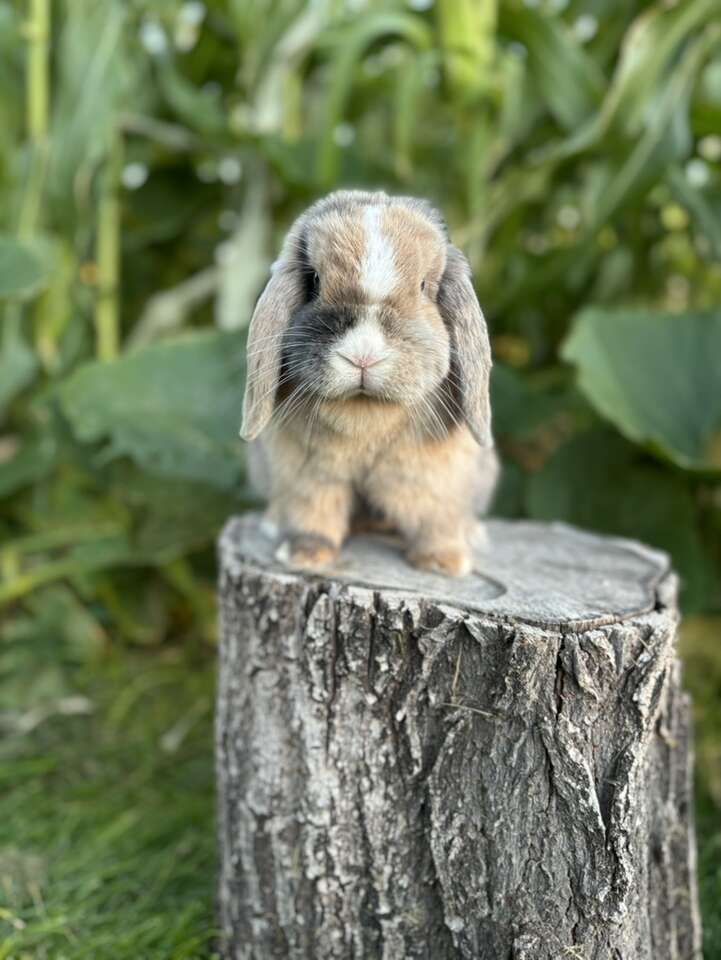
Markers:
point(368, 366)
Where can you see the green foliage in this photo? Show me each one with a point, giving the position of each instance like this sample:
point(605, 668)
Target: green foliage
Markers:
point(172, 407)
point(152, 154)
point(21, 271)
point(634, 368)
point(598, 481)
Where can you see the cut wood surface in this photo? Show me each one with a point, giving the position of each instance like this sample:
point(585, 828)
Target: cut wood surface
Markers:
point(492, 767)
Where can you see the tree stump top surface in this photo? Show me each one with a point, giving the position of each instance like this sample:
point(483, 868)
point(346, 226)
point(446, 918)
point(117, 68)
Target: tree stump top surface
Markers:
point(545, 575)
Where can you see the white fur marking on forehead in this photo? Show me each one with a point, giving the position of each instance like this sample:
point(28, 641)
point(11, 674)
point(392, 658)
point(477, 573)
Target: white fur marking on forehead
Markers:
point(378, 274)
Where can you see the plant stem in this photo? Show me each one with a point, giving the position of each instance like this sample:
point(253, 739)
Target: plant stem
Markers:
point(61, 537)
point(38, 30)
point(467, 30)
point(107, 323)
point(37, 98)
point(40, 576)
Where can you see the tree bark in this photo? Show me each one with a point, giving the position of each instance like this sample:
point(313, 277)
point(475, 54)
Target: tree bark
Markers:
point(495, 767)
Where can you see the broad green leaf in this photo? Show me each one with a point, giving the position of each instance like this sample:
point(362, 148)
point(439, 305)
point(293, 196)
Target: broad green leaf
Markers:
point(597, 481)
point(656, 376)
point(173, 407)
point(22, 272)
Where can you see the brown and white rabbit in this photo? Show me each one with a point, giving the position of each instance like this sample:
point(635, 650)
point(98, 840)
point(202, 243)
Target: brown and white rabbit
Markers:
point(367, 374)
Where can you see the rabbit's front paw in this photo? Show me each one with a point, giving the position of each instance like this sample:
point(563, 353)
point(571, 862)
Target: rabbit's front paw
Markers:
point(452, 561)
point(307, 551)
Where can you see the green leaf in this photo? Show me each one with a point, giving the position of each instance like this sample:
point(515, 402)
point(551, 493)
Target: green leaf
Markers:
point(569, 80)
point(67, 623)
point(409, 98)
point(667, 137)
point(18, 366)
point(34, 459)
point(597, 481)
point(275, 106)
point(508, 499)
point(170, 517)
point(650, 46)
point(173, 407)
point(200, 109)
point(518, 409)
point(656, 376)
point(22, 272)
point(648, 53)
point(348, 47)
point(93, 78)
point(700, 208)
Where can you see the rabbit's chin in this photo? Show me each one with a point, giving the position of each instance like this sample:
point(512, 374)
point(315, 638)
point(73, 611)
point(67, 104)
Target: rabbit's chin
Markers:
point(362, 416)
point(387, 390)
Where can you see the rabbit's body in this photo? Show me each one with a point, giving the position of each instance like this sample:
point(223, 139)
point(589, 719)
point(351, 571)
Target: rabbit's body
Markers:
point(430, 492)
point(359, 357)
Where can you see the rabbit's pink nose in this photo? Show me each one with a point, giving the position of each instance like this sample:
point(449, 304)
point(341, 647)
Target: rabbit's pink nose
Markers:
point(362, 361)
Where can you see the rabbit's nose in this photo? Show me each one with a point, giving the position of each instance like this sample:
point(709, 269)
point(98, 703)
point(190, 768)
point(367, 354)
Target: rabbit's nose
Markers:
point(362, 361)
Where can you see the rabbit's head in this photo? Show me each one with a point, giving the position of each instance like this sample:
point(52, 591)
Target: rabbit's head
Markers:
point(369, 302)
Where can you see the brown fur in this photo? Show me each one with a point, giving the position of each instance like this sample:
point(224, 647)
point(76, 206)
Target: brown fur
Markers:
point(339, 456)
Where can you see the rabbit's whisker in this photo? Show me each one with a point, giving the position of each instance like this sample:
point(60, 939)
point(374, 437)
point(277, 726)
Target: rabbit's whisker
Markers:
point(292, 404)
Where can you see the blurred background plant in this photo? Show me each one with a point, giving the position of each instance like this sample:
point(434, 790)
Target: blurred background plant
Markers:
point(152, 154)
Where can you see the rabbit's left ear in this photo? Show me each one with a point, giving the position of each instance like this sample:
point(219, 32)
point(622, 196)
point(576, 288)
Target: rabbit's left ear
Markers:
point(461, 311)
point(282, 295)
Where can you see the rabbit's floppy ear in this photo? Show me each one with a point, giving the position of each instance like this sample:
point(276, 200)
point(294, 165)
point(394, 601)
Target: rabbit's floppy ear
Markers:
point(282, 295)
point(461, 311)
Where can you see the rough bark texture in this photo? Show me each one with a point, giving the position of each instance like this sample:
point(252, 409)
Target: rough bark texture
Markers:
point(415, 767)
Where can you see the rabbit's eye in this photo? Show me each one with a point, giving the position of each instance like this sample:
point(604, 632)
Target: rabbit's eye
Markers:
point(315, 282)
point(423, 285)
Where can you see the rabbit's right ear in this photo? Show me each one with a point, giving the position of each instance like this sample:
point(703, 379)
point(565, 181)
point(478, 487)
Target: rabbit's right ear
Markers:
point(282, 295)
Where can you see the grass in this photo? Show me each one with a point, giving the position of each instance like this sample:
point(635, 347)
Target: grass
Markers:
point(107, 834)
point(701, 652)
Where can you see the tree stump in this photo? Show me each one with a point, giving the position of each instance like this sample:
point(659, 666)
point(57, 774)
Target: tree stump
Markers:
point(493, 767)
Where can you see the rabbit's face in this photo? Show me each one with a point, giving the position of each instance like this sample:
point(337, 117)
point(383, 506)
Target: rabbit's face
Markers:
point(369, 326)
point(369, 310)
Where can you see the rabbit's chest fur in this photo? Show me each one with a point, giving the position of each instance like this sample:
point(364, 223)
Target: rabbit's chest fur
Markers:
point(376, 457)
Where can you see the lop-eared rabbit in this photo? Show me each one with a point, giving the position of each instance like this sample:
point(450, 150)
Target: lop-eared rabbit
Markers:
point(368, 384)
